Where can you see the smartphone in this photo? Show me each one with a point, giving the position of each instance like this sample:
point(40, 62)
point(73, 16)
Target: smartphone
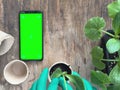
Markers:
point(31, 35)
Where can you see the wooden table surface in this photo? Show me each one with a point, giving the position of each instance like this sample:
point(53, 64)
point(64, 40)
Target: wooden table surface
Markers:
point(64, 39)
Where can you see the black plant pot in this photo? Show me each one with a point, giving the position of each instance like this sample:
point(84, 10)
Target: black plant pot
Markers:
point(63, 66)
point(107, 55)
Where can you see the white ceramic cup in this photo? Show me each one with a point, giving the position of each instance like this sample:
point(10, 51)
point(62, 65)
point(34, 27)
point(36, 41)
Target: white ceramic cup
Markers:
point(56, 64)
point(6, 42)
point(16, 72)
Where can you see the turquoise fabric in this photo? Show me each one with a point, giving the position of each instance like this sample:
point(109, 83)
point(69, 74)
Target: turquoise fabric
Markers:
point(41, 83)
point(61, 84)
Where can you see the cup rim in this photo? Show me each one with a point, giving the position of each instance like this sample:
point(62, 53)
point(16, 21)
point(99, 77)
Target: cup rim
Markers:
point(5, 36)
point(55, 64)
point(27, 74)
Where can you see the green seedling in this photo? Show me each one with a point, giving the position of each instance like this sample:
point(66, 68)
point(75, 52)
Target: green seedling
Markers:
point(76, 80)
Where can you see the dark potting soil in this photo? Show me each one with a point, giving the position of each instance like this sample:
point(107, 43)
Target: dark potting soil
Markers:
point(107, 55)
point(62, 66)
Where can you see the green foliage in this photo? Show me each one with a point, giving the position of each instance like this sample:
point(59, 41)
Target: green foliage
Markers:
point(116, 24)
point(57, 73)
point(115, 75)
point(76, 80)
point(113, 45)
point(118, 60)
point(113, 87)
point(119, 53)
point(97, 56)
point(93, 27)
point(113, 8)
point(100, 79)
point(93, 30)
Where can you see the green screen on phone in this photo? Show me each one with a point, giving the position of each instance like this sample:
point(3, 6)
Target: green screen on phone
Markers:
point(31, 35)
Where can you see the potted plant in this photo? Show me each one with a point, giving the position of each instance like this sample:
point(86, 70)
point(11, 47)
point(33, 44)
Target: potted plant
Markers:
point(101, 54)
point(64, 70)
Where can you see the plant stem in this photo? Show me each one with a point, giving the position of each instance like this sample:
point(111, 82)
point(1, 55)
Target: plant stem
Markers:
point(107, 33)
point(65, 82)
point(109, 60)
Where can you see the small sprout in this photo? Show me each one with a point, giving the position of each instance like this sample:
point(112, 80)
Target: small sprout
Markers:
point(76, 80)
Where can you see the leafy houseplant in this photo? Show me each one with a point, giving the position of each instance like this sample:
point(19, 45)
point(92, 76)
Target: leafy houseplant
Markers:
point(94, 30)
point(62, 69)
point(76, 80)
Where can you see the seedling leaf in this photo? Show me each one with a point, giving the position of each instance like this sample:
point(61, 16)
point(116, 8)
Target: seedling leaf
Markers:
point(113, 45)
point(113, 8)
point(115, 75)
point(77, 81)
point(93, 27)
point(97, 55)
point(57, 73)
point(116, 24)
point(100, 79)
point(113, 87)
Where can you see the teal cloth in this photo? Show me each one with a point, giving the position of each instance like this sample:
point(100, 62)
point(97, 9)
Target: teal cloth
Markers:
point(41, 83)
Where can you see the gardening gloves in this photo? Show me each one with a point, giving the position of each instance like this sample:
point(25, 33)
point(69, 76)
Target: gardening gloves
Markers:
point(41, 83)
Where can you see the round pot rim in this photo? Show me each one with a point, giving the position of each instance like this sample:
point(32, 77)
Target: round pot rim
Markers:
point(54, 65)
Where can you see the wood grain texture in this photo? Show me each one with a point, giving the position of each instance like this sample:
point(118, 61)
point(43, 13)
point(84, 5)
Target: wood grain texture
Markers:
point(64, 39)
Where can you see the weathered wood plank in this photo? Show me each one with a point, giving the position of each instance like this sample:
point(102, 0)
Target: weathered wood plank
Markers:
point(64, 38)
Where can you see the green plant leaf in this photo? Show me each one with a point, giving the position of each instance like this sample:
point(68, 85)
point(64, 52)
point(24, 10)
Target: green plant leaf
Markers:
point(57, 73)
point(118, 1)
point(118, 59)
point(100, 79)
point(93, 27)
point(113, 8)
point(77, 81)
point(118, 62)
point(119, 53)
point(116, 24)
point(97, 56)
point(113, 45)
point(113, 87)
point(115, 75)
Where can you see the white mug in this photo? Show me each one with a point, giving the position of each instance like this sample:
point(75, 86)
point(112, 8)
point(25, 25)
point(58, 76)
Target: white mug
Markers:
point(6, 42)
point(16, 72)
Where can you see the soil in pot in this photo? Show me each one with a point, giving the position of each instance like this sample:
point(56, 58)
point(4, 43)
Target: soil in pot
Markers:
point(62, 66)
point(107, 55)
